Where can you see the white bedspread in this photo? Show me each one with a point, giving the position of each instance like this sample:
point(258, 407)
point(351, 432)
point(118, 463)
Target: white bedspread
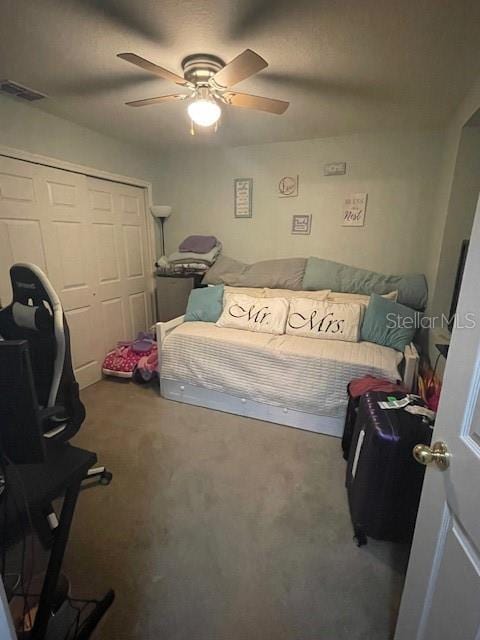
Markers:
point(288, 371)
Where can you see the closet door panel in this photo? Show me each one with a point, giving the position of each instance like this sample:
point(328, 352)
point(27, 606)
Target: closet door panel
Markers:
point(21, 230)
point(21, 241)
point(107, 253)
point(118, 216)
point(73, 268)
point(89, 236)
point(138, 311)
point(114, 321)
point(133, 252)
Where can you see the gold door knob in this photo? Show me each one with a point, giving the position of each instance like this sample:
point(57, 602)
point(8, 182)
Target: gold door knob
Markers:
point(437, 454)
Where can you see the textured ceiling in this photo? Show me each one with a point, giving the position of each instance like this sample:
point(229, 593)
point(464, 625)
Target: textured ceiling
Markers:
point(345, 65)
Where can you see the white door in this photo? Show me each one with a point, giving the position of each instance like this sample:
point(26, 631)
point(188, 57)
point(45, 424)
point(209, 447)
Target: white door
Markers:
point(89, 236)
point(118, 218)
point(441, 599)
point(65, 222)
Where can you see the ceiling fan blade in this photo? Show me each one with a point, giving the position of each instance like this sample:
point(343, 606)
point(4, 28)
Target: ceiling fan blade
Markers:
point(246, 100)
point(146, 65)
point(243, 66)
point(158, 100)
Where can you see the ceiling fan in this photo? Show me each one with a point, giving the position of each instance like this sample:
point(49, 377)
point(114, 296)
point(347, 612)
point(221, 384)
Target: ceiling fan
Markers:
point(209, 80)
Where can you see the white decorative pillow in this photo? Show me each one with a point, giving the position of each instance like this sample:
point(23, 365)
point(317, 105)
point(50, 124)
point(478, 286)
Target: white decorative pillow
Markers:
point(336, 296)
point(325, 320)
point(255, 292)
point(289, 294)
point(254, 314)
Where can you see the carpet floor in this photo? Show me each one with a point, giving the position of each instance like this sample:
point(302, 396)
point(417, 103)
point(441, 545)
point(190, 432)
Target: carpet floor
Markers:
point(218, 527)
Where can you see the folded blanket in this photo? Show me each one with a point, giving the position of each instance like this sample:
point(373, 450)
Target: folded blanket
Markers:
point(198, 244)
point(189, 266)
point(191, 256)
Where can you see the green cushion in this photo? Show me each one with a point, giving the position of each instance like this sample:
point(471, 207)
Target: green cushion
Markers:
point(326, 274)
point(205, 305)
point(388, 323)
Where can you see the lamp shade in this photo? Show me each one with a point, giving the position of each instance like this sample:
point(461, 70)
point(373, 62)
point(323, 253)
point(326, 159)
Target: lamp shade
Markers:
point(160, 210)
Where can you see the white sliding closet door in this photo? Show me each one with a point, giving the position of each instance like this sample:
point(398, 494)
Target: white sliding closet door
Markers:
point(118, 222)
point(89, 236)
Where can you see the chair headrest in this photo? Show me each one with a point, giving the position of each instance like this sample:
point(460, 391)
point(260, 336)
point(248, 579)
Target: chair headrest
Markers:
point(31, 287)
point(31, 317)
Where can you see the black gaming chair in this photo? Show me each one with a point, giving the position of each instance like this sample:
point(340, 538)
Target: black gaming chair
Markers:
point(36, 315)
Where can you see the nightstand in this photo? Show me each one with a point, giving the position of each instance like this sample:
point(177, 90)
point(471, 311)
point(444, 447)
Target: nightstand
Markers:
point(172, 293)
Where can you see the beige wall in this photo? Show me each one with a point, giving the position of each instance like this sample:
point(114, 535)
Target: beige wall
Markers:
point(461, 210)
point(26, 127)
point(469, 105)
point(443, 257)
point(398, 170)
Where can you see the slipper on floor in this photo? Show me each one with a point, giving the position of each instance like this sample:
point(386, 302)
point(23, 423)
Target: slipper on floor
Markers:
point(121, 362)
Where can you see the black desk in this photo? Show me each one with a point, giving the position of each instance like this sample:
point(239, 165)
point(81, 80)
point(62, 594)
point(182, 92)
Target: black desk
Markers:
point(39, 485)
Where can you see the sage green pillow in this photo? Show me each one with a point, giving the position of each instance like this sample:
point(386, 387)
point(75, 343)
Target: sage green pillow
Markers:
point(205, 304)
point(389, 323)
point(326, 274)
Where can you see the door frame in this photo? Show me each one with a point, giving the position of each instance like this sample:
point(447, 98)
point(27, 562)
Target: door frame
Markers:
point(56, 163)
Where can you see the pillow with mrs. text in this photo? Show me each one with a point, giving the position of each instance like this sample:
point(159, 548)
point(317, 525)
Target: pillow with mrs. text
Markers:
point(325, 320)
point(254, 314)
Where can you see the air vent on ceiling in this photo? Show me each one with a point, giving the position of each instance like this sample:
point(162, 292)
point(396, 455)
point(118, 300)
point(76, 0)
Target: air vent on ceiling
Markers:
point(15, 89)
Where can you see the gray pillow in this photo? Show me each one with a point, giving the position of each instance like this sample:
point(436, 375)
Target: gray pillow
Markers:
point(222, 271)
point(326, 274)
point(284, 273)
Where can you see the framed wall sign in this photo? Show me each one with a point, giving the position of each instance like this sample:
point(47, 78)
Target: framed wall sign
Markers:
point(243, 189)
point(288, 187)
point(301, 224)
point(335, 169)
point(354, 210)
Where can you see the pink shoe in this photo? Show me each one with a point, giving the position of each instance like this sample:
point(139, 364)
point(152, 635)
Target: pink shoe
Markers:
point(147, 366)
point(122, 361)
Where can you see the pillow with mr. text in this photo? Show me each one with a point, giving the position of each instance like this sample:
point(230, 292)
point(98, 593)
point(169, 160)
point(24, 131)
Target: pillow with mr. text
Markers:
point(254, 314)
point(324, 320)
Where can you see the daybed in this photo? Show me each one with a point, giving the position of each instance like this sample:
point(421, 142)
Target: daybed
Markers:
point(284, 379)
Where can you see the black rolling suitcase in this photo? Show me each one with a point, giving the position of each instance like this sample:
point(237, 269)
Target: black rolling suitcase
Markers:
point(350, 419)
point(383, 480)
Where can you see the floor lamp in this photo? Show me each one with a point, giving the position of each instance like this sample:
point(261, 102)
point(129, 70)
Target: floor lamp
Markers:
point(161, 212)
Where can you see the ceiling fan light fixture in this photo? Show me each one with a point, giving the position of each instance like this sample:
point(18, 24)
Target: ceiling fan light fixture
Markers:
point(207, 81)
point(205, 112)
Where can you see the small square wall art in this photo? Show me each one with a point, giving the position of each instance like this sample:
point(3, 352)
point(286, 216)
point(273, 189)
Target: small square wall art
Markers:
point(301, 224)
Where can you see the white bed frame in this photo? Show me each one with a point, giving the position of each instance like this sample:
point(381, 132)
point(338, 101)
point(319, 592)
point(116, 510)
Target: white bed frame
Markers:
point(199, 396)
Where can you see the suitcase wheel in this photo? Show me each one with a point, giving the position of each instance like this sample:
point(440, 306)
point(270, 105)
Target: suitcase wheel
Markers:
point(360, 537)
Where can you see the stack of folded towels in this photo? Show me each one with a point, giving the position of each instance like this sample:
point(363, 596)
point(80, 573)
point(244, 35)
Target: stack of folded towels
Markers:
point(195, 254)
